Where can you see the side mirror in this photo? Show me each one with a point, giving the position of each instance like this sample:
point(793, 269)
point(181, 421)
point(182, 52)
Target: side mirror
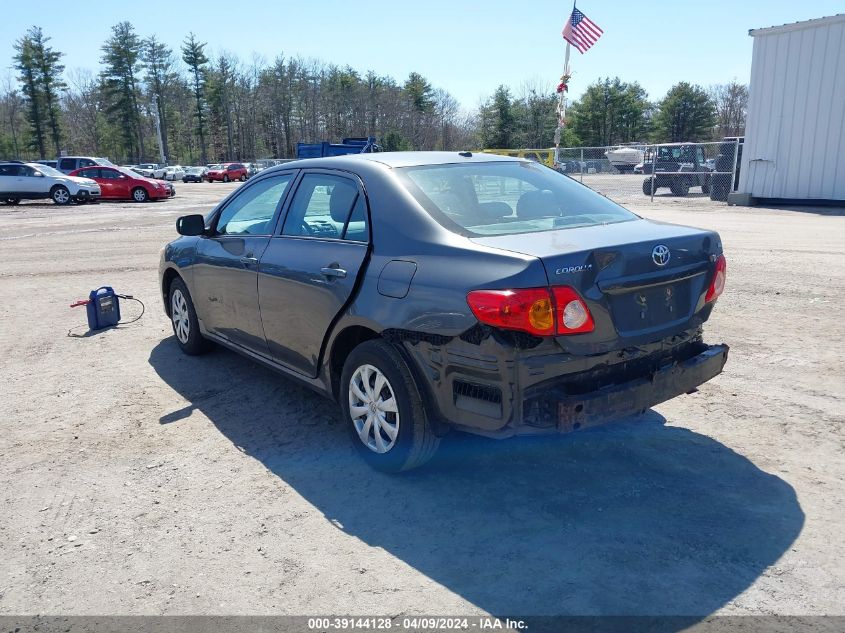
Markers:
point(191, 225)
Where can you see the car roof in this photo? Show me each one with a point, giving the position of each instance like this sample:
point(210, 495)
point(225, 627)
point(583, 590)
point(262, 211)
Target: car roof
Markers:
point(401, 159)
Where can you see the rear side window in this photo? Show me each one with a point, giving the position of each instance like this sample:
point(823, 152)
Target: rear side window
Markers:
point(506, 198)
point(9, 170)
point(328, 206)
point(67, 164)
point(92, 172)
point(251, 212)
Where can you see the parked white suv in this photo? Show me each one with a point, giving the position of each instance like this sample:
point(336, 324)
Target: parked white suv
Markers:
point(31, 181)
point(150, 170)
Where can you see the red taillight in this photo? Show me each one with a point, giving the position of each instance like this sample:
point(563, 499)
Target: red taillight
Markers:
point(538, 311)
point(717, 286)
point(528, 309)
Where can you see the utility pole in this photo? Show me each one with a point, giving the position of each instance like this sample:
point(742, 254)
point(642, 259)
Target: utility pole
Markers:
point(162, 160)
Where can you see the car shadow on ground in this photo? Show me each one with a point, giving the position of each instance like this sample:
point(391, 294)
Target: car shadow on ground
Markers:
point(636, 518)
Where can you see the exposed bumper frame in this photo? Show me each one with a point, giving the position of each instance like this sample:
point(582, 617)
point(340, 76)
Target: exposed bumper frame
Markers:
point(616, 401)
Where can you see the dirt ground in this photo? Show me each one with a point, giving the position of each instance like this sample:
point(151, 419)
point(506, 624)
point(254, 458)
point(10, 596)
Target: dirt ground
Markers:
point(135, 480)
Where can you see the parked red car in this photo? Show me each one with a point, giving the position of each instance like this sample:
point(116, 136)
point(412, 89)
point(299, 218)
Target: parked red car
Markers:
point(224, 172)
point(119, 183)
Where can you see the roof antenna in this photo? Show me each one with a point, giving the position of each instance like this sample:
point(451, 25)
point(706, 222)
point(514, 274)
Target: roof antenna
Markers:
point(466, 154)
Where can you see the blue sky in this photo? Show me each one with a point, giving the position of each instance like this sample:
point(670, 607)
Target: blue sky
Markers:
point(467, 47)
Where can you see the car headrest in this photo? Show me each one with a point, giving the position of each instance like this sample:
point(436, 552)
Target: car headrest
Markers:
point(536, 204)
point(343, 195)
point(495, 210)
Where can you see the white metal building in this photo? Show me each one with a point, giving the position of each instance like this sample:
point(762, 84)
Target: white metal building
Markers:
point(795, 130)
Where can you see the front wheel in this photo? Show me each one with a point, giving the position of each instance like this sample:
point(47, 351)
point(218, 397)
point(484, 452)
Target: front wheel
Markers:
point(383, 409)
point(647, 186)
point(705, 186)
point(242, 178)
point(139, 194)
point(60, 195)
point(225, 178)
point(183, 317)
point(11, 201)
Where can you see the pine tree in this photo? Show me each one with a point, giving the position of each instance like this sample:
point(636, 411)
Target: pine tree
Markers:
point(27, 65)
point(122, 61)
point(686, 113)
point(194, 56)
point(158, 58)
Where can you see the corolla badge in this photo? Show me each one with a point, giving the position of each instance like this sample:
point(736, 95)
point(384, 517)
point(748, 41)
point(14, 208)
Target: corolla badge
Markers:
point(660, 254)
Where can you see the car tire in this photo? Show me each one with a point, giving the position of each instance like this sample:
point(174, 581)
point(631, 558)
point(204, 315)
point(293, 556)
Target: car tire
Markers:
point(679, 187)
point(139, 194)
point(242, 178)
point(183, 318)
point(705, 186)
point(647, 188)
point(12, 201)
point(414, 442)
point(225, 178)
point(60, 195)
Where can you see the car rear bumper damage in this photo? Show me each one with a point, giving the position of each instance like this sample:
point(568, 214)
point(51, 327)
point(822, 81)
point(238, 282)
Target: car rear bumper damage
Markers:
point(616, 401)
point(520, 393)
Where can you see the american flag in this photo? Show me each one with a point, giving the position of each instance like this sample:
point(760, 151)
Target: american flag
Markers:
point(581, 32)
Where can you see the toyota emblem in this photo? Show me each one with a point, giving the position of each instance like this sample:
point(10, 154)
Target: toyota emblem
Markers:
point(660, 254)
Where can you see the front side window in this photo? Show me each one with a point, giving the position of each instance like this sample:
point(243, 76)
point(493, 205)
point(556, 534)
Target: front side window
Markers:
point(251, 212)
point(326, 205)
point(68, 164)
point(506, 198)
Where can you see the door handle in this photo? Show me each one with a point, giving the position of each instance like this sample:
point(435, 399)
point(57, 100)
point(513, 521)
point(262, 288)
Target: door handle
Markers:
point(249, 261)
point(333, 272)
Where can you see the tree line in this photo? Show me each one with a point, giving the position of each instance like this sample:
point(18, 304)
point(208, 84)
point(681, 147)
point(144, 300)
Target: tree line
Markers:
point(216, 107)
point(611, 112)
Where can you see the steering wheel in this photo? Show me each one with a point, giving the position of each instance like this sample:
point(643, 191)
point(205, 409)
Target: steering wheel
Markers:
point(306, 228)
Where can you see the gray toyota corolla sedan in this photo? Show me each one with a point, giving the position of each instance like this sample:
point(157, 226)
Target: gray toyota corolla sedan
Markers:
point(425, 291)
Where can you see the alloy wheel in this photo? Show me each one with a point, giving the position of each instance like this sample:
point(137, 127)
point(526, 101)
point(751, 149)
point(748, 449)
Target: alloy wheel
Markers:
point(61, 196)
point(179, 315)
point(373, 409)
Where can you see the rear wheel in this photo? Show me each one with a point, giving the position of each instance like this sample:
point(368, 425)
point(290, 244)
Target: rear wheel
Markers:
point(679, 187)
point(225, 178)
point(139, 194)
point(183, 317)
point(383, 409)
point(719, 191)
point(60, 195)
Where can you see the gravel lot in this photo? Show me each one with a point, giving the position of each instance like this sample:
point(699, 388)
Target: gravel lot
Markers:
point(135, 480)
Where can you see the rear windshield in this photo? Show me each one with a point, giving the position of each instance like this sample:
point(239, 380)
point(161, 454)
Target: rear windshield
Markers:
point(505, 198)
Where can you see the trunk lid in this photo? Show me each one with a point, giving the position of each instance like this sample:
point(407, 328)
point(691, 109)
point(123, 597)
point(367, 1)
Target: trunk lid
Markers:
point(642, 280)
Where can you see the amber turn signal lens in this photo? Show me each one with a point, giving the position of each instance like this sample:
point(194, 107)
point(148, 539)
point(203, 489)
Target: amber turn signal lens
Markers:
point(541, 315)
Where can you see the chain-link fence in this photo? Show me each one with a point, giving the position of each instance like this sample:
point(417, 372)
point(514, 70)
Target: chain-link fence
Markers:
point(632, 172)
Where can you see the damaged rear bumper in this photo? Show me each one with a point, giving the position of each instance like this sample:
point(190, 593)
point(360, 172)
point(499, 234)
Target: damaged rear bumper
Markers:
point(617, 401)
point(557, 407)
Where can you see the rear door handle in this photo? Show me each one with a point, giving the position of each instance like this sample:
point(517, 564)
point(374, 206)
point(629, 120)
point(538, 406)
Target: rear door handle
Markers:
point(249, 261)
point(333, 272)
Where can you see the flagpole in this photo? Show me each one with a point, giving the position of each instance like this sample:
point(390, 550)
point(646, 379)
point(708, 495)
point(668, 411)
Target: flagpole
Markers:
point(561, 105)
